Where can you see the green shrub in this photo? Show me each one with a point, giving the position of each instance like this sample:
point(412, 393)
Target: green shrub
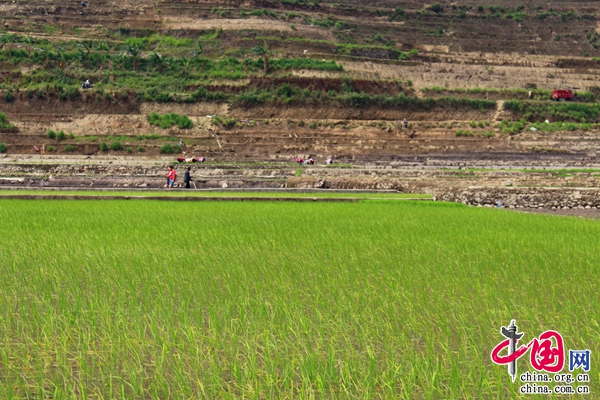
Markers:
point(304, 63)
point(563, 126)
point(513, 127)
point(9, 96)
point(103, 146)
point(61, 135)
point(70, 148)
point(50, 148)
point(2, 147)
point(225, 122)
point(169, 149)
point(51, 134)
point(167, 120)
point(4, 124)
point(561, 111)
point(436, 8)
point(408, 55)
point(141, 149)
point(464, 133)
point(151, 136)
point(286, 94)
point(116, 146)
point(473, 124)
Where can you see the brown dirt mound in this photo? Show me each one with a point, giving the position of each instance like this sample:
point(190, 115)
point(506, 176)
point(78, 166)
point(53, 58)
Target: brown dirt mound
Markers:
point(363, 113)
point(576, 63)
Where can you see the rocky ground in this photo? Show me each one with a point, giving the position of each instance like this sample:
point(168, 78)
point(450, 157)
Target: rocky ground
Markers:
point(548, 186)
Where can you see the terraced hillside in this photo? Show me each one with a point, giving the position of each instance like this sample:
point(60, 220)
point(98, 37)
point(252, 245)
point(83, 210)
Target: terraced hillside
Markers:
point(267, 82)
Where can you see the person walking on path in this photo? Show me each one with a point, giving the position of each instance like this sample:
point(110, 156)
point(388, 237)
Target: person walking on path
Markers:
point(186, 178)
point(42, 150)
point(405, 123)
point(171, 177)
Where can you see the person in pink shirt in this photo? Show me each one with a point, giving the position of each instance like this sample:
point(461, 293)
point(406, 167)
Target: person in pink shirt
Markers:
point(171, 177)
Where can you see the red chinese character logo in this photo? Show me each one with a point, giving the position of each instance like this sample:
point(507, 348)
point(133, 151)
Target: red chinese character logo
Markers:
point(547, 351)
point(544, 357)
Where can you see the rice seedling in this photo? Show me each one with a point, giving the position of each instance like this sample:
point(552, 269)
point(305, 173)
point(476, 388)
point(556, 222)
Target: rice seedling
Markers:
point(210, 300)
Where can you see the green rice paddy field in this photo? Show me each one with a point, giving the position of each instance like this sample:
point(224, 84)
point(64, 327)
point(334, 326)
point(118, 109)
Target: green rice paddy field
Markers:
point(272, 300)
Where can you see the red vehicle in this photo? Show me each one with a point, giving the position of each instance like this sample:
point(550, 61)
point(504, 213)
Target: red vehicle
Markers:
point(563, 95)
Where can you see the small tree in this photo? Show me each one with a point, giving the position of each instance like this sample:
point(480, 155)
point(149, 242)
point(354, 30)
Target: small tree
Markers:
point(121, 60)
point(28, 42)
point(134, 52)
point(86, 45)
point(45, 53)
point(185, 63)
point(158, 61)
point(264, 52)
point(84, 49)
point(8, 40)
point(199, 51)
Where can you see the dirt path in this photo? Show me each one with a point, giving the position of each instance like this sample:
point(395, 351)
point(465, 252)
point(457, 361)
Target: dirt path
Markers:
point(499, 109)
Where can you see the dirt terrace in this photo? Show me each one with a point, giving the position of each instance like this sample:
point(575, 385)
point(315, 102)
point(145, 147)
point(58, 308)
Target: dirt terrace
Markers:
point(455, 51)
